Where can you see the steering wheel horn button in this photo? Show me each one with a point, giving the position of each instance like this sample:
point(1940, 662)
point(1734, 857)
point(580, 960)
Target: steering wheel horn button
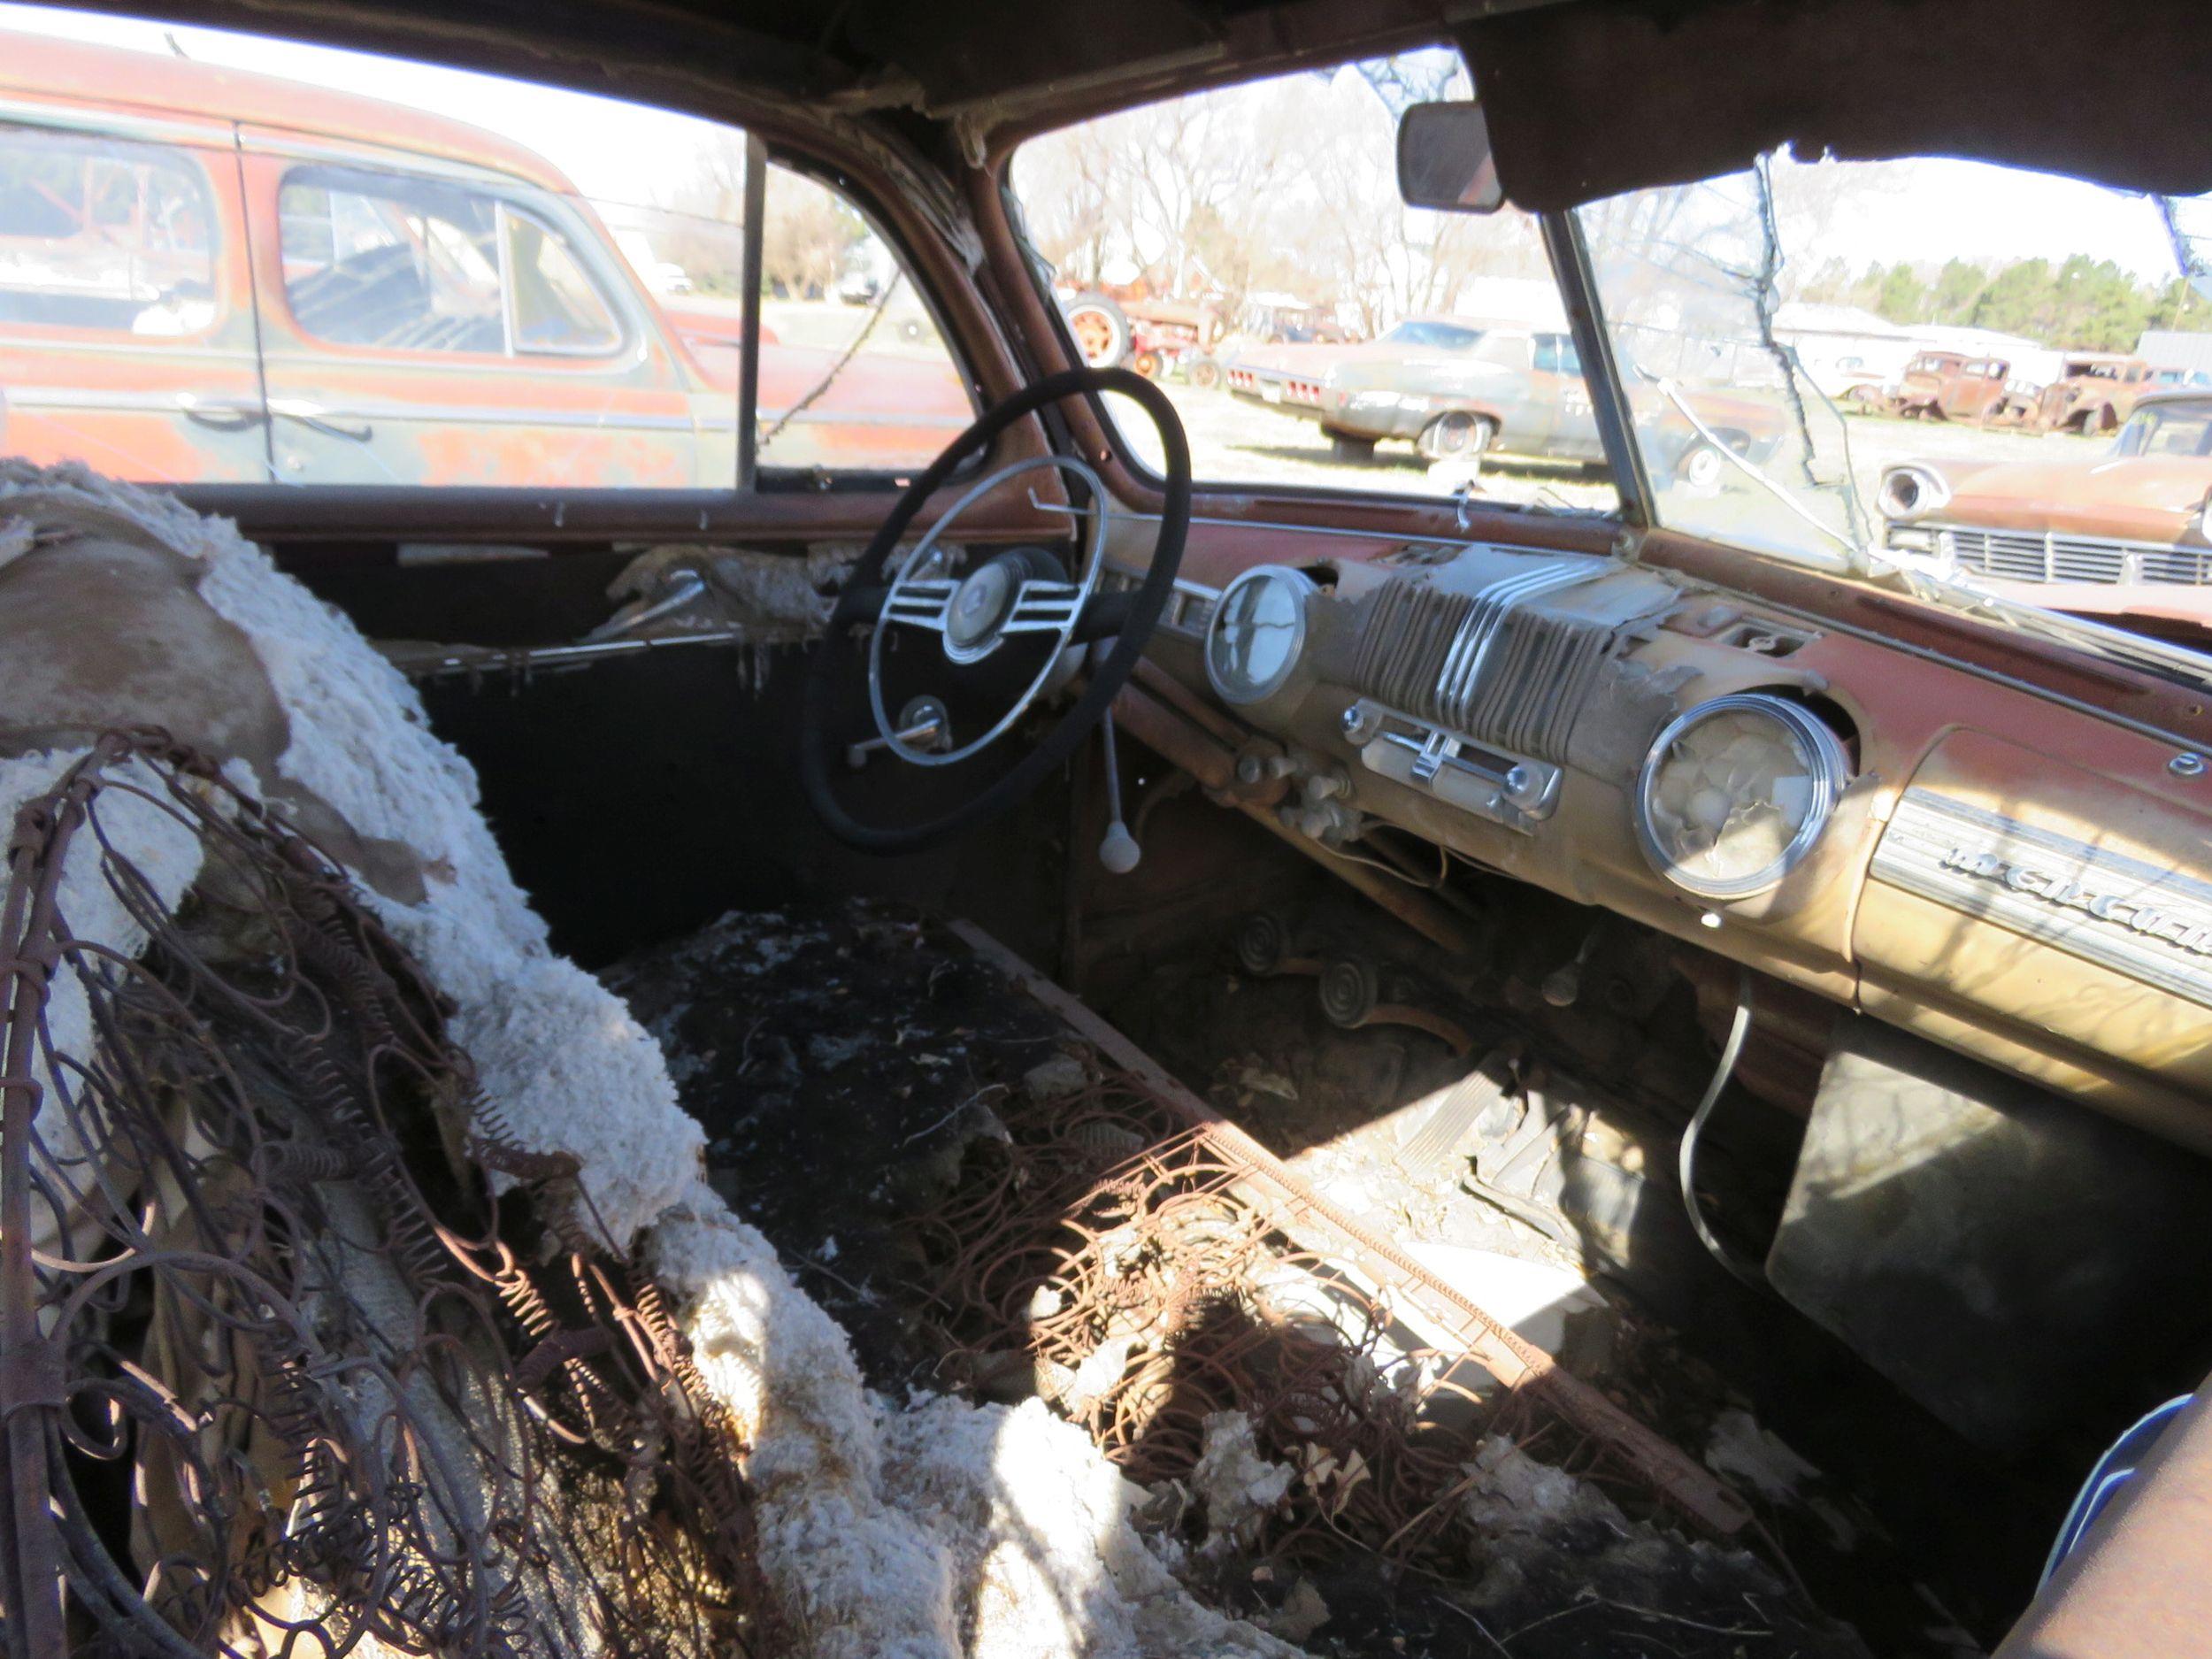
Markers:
point(980, 604)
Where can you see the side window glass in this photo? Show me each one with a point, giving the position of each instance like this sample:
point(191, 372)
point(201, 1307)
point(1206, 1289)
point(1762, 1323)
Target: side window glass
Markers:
point(104, 234)
point(1548, 354)
point(460, 280)
point(854, 374)
point(555, 308)
point(413, 265)
point(1248, 250)
point(1507, 350)
point(126, 335)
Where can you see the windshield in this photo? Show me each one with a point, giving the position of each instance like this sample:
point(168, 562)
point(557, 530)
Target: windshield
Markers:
point(1912, 370)
point(1246, 249)
point(2181, 429)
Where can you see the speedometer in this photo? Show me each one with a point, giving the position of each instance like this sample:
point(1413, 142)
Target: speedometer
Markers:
point(1257, 633)
point(1734, 792)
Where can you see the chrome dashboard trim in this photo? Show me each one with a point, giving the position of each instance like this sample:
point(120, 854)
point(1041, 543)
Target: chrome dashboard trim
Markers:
point(1819, 623)
point(1831, 769)
point(1304, 588)
point(1510, 790)
point(2146, 924)
point(1190, 605)
point(1455, 695)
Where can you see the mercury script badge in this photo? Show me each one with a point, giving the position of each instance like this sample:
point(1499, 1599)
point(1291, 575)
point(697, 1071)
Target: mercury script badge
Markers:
point(2119, 912)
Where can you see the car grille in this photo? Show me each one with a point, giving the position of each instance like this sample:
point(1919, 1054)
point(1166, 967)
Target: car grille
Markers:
point(2027, 556)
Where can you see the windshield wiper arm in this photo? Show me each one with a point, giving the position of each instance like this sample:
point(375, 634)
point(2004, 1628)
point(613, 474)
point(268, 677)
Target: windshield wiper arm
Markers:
point(1667, 390)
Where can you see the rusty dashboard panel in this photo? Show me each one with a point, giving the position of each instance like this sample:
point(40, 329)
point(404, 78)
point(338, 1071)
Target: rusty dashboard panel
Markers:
point(2048, 910)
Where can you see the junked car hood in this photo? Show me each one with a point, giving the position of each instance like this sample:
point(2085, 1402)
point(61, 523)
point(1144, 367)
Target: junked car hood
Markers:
point(2149, 498)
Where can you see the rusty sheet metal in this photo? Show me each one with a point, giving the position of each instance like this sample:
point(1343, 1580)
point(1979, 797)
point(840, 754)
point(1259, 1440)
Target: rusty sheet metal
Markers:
point(280, 1371)
point(1320, 1226)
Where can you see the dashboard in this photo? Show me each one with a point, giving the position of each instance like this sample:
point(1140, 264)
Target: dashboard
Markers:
point(1998, 869)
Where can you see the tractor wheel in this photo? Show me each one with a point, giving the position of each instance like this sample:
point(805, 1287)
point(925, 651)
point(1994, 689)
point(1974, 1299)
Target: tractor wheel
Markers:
point(1204, 372)
point(1147, 363)
point(1100, 330)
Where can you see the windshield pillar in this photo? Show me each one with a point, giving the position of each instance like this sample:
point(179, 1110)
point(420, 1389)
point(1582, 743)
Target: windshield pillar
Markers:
point(1609, 394)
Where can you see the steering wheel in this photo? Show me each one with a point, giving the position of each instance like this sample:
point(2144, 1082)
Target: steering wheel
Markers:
point(969, 618)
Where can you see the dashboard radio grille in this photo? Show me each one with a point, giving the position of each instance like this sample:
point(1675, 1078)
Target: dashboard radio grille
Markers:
point(1487, 665)
point(1405, 643)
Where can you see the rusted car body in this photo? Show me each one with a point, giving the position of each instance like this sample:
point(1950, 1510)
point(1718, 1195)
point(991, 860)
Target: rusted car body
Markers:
point(1949, 386)
point(2119, 536)
point(2095, 392)
point(189, 316)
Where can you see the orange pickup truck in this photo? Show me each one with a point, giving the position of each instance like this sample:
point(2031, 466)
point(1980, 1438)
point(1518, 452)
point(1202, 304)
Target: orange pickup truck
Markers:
point(212, 276)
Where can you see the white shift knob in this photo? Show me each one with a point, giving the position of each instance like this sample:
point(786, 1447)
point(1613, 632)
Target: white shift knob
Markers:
point(1119, 851)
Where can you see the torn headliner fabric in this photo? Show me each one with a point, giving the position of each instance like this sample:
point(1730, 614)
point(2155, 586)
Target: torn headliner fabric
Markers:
point(1588, 100)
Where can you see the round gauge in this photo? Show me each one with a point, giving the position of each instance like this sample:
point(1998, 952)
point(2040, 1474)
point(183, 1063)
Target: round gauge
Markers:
point(1734, 792)
point(1256, 633)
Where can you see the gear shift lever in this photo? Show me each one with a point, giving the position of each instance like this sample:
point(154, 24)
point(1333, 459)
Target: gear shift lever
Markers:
point(1119, 851)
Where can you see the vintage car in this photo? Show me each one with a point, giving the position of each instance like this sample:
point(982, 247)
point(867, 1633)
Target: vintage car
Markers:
point(2120, 536)
point(2093, 392)
point(1522, 392)
point(364, 293)
point(1948, 385)
point(1296, 376)
point(1096, 1046)
point(1509, 387)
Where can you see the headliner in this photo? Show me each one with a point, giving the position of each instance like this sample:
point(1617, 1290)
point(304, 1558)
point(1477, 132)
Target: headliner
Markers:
point(1586, 97)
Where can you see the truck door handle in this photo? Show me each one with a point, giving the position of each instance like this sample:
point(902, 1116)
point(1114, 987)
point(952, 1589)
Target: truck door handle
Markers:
point(314, 415)
point(223, 415)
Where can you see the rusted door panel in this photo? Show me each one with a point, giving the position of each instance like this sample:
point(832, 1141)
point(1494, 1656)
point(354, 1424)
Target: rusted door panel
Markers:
point(345, 411)
point(126, 331)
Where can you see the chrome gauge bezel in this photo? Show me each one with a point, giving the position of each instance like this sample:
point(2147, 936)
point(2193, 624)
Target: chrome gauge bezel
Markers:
point(1304, 588)
point(1829, 765)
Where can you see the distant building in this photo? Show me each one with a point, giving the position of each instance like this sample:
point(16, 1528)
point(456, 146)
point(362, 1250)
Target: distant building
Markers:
point(1844, 347)
point(2176, 359)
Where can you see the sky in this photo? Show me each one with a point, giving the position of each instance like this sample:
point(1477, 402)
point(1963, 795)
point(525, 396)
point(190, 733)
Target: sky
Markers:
point(1939, 208)
point(1919, 210)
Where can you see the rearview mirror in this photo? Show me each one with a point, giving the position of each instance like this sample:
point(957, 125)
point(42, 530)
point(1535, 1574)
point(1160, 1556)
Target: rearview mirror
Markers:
point(1444, 159)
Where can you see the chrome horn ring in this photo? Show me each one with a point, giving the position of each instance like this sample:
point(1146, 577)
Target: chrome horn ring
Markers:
point(993, 613)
